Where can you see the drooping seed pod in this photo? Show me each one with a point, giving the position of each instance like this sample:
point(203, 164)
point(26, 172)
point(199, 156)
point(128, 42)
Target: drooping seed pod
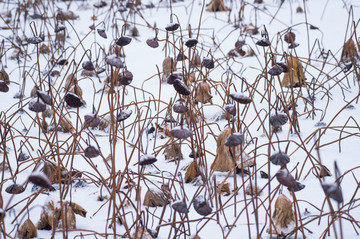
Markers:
point(59, 28)
point(240, 98)
point(91, 152)
point(34, 40)
point(172, 27)
point(239, 44)
point(88, 65)
point(289, 37)
point(22, 157)
point(283, 66)
point(202, 206)
point(297, 187)
point(263, 42)
point(275, 70)
point(173, 76)
point(152, 42)
point(123, 115)
point(180, 106)
point(62, 62)
point(279, 158)
point(181, 57)
point(37, 105)
point(3, 87)
point(278, 120)
point(125, 77)
point(285, 178)
point(100, 4)
point(92, 120)
point(147, 160)
point(191, 42)
point(263, 174)
point(333, 191)
point(73, 100)
point(180, 87)
point(180, 207)
point(123, 41)
point(231, 109)
point(102, 33)
point(4, 77)
point(114, 61)
point(208, 63)
point(15, 189)
point(40, 179)
point(181, 132)
point(44, 97)
point(234, 140)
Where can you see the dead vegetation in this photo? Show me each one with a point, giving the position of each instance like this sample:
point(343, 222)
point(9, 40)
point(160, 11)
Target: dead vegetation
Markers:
point(168, 147)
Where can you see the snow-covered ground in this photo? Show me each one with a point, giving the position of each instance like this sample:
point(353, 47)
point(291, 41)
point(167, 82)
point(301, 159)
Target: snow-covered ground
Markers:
point(111, 187)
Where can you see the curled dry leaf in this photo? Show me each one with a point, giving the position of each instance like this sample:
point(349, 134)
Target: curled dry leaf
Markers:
point(203, 93)
point(27, 230)
point(217, 6)
point(155, 198)
point(4, 77)
point(252, 190)
point(169, 66)
point(283, 216)
point(295, 77)
point(78, 209)
point(192, 172)
point(172, 152)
